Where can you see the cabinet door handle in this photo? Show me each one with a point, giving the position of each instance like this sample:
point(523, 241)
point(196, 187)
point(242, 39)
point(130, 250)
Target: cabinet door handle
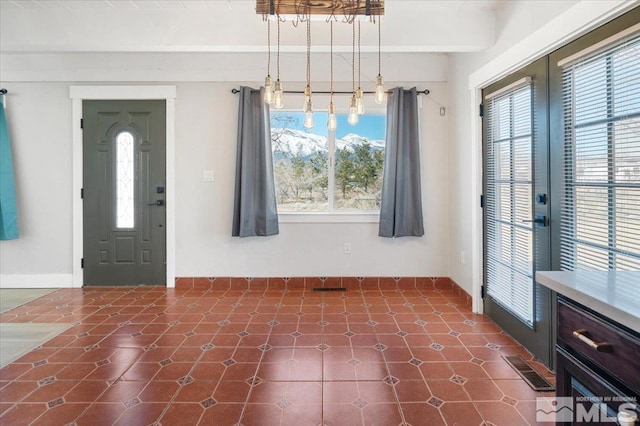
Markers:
point(600, 347)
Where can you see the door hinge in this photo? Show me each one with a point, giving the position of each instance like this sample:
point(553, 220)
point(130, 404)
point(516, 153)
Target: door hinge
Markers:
point(481, 110)
point(82, 123)
point(82, 263)
point(482, 291)
point(482, 201)
point(81, 192)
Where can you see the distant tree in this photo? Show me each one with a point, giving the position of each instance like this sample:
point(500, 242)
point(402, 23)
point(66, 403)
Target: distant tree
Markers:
point(378, 161)
point(283, 176)
point(345, 170)
point(280, 123)
point(319, 169)
point(299, 183)
point(364, 162)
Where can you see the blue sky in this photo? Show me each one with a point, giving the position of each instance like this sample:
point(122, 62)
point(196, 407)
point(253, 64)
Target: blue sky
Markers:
point(370, 126)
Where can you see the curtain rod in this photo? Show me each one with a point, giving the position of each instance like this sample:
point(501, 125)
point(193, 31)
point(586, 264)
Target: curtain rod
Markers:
point(420, 92)
point(3, 91)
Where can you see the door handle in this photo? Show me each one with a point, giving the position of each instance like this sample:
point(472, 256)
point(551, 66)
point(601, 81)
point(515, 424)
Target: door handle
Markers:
point(158, 203)
point(539, 219)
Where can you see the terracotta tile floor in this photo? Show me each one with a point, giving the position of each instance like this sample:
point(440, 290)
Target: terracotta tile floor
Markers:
point(377, 356)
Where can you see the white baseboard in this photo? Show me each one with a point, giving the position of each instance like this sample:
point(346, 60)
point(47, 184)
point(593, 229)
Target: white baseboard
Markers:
point(36, 281)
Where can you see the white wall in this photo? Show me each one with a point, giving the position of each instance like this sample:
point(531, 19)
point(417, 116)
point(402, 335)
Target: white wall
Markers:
point(205, 247)
point(39, 116)
point(525, 31)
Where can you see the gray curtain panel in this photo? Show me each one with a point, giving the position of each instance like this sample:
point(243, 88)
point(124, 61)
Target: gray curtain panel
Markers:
point(401, 204)
point(255, 213)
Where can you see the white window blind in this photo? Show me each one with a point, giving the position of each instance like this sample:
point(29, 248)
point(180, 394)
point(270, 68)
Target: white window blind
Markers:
point(600, 225)
point(508, 192)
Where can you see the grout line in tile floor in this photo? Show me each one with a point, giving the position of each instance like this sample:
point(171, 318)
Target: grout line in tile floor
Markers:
point(381, 353)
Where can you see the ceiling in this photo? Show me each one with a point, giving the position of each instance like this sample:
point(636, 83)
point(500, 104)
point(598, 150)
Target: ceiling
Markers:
point(198, 5)
point(213, 26)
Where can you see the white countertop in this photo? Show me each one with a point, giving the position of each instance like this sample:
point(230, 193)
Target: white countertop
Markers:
point(614, 294)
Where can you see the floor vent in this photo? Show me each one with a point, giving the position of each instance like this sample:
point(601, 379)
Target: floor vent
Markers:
point(329, 289)
point(531, 376)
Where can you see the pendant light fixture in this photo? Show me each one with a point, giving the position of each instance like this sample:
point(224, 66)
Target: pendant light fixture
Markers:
point(380, 95)
point(352, 118)
point(268, 81)
point(278, 92)
point(332, 122)
point(308, 106)
point(302, 10)
point(359, 100)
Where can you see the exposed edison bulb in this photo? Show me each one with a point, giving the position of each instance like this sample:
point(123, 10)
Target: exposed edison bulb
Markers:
point(332, 122)
point(359, 101)
point(307, 97)
point(352, 118)
point(278, 95)
point(268, 90)
point(380, 95)
point(308, 115)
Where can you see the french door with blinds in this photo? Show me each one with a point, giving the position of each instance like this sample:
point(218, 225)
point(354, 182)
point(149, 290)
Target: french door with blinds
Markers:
point(561, 141)
point(595, 82)
point(516, 208)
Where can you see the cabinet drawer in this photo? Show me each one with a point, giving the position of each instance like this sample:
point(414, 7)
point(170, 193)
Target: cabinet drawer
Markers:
point(620, 353)
point(574, 379)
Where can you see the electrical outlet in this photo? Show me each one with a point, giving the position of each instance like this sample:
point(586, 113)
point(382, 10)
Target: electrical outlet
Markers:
point(208, 176)
point(462, 257)
point(347, 248)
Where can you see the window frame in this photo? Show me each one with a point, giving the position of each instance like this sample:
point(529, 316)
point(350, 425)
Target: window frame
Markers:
point(509, 293)
point(597, 41)
point(331, 215)
point(570, 227)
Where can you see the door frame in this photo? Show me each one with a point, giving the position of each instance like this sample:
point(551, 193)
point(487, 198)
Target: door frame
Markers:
point(574, 22)
point(160, 92)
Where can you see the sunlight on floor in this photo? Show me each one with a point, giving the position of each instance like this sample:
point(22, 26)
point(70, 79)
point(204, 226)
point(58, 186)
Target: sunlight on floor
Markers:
point(20, 338)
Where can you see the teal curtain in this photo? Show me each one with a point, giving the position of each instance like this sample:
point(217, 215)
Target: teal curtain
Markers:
point(8, 211)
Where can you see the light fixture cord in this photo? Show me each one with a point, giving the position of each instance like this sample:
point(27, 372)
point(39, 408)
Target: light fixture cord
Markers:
point(308, 47)
point(379, 44)
point(353, 57)
point(269, 46)
point(331, 64)
point(359, 68)
point(278, 61)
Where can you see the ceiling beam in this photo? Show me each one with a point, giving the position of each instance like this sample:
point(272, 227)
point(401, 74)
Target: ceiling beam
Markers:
point(320, 7)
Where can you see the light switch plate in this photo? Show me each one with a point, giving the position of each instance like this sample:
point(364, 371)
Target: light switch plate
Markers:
point(208, 176)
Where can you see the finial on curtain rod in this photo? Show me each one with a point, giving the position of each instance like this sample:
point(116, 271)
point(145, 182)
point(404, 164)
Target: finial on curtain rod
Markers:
point(3, 91)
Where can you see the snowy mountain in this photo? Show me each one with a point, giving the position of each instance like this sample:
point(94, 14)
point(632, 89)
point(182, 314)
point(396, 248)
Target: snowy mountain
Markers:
point(289, 142)
point(351, 139)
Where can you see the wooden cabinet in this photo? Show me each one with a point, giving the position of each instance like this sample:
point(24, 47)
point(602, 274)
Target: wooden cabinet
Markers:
point(598, 362)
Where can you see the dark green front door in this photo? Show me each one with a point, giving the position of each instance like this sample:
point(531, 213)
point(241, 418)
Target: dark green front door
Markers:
point(124, 192)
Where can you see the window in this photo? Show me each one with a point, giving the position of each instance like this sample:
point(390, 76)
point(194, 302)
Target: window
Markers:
point(601, 205)
point(124, 181)
point(508, 189)
point(327, 172)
